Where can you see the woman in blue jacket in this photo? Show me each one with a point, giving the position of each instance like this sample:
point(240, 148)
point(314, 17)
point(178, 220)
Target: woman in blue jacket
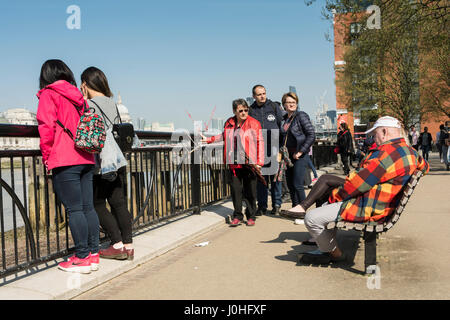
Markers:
point(297, 134)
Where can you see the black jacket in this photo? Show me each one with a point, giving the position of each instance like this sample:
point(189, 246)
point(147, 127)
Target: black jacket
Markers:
point(301, 133)
point(344, 142)
point(269, 114)
point(430, 138)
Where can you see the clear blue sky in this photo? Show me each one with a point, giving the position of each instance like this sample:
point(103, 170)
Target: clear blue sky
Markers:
point(166, 57)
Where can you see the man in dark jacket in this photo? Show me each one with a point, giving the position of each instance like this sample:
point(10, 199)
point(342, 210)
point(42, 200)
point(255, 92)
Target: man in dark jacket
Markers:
point(269, 115)
point(425, 142)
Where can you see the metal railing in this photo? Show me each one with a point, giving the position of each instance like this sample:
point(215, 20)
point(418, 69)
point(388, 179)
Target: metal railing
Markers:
point(163, 181)
point(33, 222)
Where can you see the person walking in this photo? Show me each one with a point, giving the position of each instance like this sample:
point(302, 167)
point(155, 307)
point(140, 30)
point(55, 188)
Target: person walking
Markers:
point(117, 223)
point(311, 165)
point(345, 146)
point(425, 142)
point(444, 138)
point(243, 151)
point(297, 134)
point(414, 138)
point(60, 101)
point(269, 115)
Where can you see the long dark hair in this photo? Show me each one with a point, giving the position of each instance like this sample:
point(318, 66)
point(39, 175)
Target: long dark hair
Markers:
point(96, 80)
point(54, 70)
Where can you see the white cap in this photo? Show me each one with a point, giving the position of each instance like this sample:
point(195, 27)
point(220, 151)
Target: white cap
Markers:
point(385, 122)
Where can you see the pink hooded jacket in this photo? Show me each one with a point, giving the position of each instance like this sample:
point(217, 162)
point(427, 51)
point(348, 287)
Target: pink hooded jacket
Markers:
point(57, 101)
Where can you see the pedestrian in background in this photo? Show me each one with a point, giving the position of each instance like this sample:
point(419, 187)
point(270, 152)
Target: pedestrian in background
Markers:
point(117, 223)
point(444, 141)
point(425, 142)
point(345, 146)
point(72, 169)
point(297, 134)
point(311, 165)
point(269, 115)
point(414, 138)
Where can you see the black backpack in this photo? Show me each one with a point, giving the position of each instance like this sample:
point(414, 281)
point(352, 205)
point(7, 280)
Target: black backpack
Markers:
point(123, 132)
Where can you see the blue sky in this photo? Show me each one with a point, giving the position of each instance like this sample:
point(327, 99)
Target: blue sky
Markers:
point(166, 57)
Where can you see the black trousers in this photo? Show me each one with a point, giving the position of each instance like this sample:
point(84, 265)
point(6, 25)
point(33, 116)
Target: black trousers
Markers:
point(345, 159)
point(243, 188)
point(117, 223)
point(321, 191)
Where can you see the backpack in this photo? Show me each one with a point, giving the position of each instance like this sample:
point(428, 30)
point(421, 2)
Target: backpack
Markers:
point(91, 134)
point(123, 132)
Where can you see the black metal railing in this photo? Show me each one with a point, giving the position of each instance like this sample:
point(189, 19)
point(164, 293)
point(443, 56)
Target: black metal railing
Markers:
point(163, 181)
point(33, 223)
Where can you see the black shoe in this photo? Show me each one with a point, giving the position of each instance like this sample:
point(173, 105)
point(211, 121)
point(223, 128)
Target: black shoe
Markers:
point(260, 212)
point(276, 210)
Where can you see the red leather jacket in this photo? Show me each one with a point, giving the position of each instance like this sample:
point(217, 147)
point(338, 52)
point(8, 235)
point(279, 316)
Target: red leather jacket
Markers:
point(251, 139)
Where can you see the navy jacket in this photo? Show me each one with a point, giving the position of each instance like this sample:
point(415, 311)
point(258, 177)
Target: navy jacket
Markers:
point(269, 116)
point(301, 135)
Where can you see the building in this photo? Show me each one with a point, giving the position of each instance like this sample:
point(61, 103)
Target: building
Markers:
point(325, 123)
point(18, 116)
point(345, 32)
point(292, 89)
point(123, 111)
point(217, 124)
point(161, 127)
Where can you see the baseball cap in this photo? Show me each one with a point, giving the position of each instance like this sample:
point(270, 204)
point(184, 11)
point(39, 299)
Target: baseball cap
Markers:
point(385, 122)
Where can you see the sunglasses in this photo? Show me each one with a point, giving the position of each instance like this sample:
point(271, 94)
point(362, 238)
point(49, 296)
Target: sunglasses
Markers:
point(242, 110)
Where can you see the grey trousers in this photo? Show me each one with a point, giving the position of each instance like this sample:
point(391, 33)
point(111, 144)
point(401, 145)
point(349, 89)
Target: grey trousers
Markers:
point(316, 221)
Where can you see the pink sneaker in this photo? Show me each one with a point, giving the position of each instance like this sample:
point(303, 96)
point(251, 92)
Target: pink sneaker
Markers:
point(75, 264)
point(95, 260)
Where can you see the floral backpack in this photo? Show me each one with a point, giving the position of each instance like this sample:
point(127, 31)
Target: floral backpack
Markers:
point(91, 134)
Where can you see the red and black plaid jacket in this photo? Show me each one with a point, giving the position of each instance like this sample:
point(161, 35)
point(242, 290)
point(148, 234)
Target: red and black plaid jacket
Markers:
point(372, 192)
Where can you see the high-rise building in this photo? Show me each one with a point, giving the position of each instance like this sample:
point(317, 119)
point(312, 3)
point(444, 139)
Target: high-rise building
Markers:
point(292, 89)
point(217, 124)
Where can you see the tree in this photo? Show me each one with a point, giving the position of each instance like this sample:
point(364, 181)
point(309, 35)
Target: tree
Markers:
point(402, 68)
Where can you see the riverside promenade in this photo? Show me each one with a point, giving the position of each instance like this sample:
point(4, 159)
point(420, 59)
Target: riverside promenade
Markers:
point(258, 263)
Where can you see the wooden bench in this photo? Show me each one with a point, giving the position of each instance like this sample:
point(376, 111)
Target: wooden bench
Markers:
point(370, 230)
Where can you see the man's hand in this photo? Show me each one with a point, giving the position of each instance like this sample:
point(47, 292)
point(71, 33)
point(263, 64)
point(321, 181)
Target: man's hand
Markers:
point(297, 155)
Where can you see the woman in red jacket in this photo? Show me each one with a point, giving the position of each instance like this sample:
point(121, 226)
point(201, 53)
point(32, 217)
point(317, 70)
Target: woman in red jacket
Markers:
point(72, 168)
point(243, 146)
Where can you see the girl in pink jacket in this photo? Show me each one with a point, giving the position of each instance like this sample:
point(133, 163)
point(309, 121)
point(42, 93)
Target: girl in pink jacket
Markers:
point(72, 169)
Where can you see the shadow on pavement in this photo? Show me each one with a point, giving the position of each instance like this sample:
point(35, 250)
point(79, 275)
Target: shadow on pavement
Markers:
point(348, 242)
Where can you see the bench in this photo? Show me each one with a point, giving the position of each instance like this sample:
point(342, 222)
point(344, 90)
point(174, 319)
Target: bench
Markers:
point(369, 230)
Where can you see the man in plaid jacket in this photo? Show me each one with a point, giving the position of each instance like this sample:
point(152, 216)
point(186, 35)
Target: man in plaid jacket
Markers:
point(369, 194)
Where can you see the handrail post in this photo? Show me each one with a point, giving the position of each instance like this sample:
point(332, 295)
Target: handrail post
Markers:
point(195, 178)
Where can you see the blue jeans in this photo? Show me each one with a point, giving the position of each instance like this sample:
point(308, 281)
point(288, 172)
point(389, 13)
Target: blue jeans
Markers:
point(262, 193)
point(445, 154)
point(311, 165)
point(295, 177)
point(73, 186)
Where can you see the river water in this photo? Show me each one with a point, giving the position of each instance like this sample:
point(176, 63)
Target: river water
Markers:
point(6, 206)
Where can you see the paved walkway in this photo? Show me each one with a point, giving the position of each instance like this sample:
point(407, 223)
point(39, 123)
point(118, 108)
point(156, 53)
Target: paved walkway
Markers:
point(260, 262)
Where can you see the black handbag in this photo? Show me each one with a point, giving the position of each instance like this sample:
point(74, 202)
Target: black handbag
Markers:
point(123, 132)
